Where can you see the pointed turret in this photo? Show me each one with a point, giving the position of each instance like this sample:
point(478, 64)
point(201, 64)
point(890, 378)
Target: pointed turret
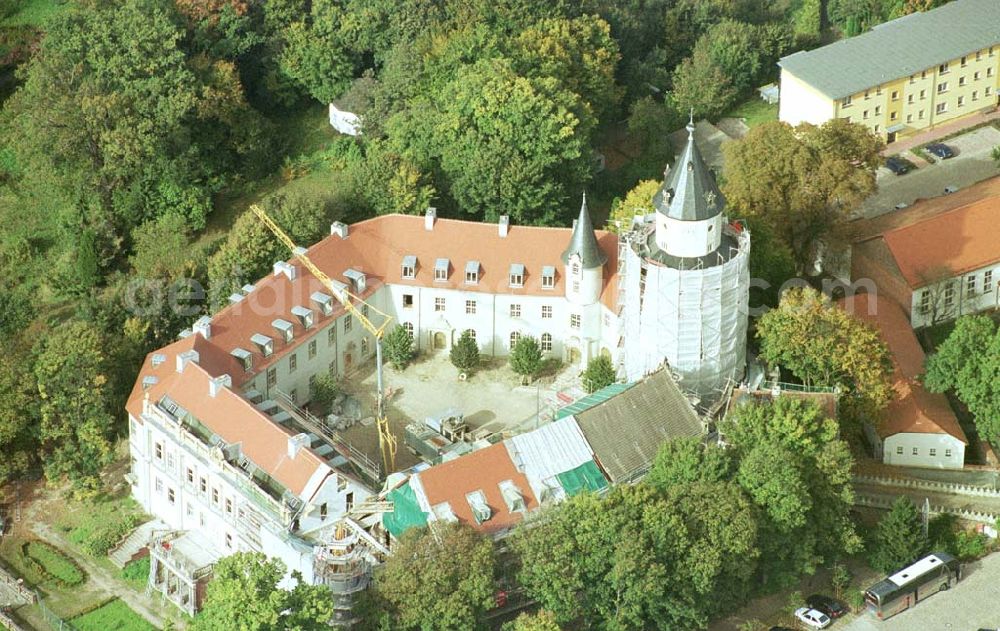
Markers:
point(689, 191)
point(583, 243)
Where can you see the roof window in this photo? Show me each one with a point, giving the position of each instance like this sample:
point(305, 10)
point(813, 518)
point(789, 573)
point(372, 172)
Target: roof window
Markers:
point(441, 267)
point(304, 315)
point(284, 327)
point(323, 301)
point(480, 509)
point(516, 275)
point(264, 343)
point(409, 271)
point(472, 272)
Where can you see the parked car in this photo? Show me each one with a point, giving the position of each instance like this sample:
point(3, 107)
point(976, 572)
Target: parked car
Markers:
point(898, 165)
point(939, 150)
point(948, 190)
point(812, 618)
point(826, 605)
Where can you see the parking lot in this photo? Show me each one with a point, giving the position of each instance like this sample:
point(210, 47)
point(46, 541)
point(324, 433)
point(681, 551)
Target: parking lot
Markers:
point(972, 163)
point(972, 604)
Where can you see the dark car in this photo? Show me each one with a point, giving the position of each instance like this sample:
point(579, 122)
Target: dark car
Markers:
point(826, 605)
point(898, 165)
point(940, 150)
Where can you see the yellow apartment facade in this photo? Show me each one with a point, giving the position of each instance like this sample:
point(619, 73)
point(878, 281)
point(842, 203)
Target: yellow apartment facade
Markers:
point(902, 77)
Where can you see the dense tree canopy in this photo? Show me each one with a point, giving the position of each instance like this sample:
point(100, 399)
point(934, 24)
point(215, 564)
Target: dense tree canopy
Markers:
point(899, 539)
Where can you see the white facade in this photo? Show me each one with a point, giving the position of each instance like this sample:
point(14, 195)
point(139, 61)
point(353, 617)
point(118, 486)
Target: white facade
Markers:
point(937, 451)
point(345, 122)
point(972, 292)
point(688, 239)
point(801, 103)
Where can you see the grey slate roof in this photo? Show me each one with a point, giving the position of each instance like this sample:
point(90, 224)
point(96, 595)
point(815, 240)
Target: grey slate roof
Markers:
point(584, 242)
point(899, 48)
point(626, 431)
point(689, 191)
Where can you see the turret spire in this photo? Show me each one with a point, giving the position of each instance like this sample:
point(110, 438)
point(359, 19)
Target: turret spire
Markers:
point(689, 191)
point(583, 242)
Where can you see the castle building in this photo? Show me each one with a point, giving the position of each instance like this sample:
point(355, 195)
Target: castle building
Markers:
point(226, 454)
point(684, 284)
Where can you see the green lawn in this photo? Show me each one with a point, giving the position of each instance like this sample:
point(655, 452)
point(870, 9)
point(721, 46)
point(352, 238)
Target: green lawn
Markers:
point(58, 565)
point(755, 111)
point(136, 573)
point(114, 616)
point(34, 12)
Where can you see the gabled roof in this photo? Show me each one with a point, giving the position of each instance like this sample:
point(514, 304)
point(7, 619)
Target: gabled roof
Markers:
point(914, 409)
point(689, 191)
point(626, 431)
point(584, 242)
point(899, 48)
point(957, 241)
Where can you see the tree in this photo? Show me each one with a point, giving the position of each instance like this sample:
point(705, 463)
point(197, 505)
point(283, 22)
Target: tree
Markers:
point(391, 183)
point(245, 594)
point(398, 347)
point(968, 362)
point(743, 52)
point(771, 263)
point(700, 85)
point(995, 154)
point(650, 123)
point(315, 54)
point(73, 389)
point(19, 418)
point(600, 373)
point(824, 345)
point(802, 183)
point(323, 391)
point(526, 357)
point(684, 461)
point(638, 201)
point(440, 580)
point(899, 538)
point(464, 353)
point(541, 621)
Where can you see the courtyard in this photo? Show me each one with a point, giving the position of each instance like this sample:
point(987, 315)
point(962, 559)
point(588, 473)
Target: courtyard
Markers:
point(492, 398)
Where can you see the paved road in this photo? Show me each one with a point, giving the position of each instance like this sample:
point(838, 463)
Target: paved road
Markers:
point(972, 604)
point(972, 163)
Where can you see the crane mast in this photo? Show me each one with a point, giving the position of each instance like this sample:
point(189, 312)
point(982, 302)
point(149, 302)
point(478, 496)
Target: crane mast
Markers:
point(387, 442)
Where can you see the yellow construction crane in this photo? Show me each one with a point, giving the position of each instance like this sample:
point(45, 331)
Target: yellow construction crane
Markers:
point(386, 441)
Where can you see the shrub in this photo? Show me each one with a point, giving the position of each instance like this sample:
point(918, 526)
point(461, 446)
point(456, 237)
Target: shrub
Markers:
point(600, 373)
point(464, 354)
point(526, 358)
point(840, 578)
point(106, 536)
point(398, 347)
point(322, 392)
point(136, 573)
point(51, 565)
point(856, 599)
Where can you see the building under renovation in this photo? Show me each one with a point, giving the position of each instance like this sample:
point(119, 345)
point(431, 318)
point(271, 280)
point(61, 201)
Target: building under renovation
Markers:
point(684, 284)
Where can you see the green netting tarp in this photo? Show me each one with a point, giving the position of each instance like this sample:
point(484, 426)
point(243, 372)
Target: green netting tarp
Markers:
point(405, 513)
point(589, 401)
point(586, 477)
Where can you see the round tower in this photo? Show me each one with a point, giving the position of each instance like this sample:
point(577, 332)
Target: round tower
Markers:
point(583, 262)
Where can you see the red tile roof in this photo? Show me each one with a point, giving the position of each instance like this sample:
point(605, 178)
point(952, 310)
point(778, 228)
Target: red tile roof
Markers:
point(914, 409)
point(953, 242)
point(227, 414)
point(481, 470)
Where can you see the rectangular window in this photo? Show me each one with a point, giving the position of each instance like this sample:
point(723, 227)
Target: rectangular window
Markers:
point(916, 452)
point(942, 108)
point(170, 496)
point(920, 114)
point(933, 451)
point(923, 94)
point(312, 349)
point(987, 280)
point(546, 312)
point(947, 453)
point(364, 349)
point(895, 95)
point(909, 98)
point(909, 118)
point(229, 506)
point(546, 343)
point(190, 476)
point(975, 95)
point(348, 323)
point(867, 96)
point(949, 295)
point(407, 301)
point(159, 485)
point(322, 511)
point(364, 310)
point(158, 448)
point(963, 62)
point(574, 321)
point(961, 81)
point(961, 101)
point(845, 102)
point(470, 307)
point(943, 69)
point(408, 272)
point(987, 90)
point(942, 87)
point(548, 279)
point(975, 75)
point(970, 285)
point(878, 110)
point(229, 541)
point(979, 55)
point(439, 304)
point(925, 301)
point(576, 286)
point(989, 72)
point(215, 496)
point(331, 335)
point(517, 279)
point(893, 116)
point(515, 310)
point(864, 115)
point(272, 377)
point(294, 393)
point(293, 363)
point(899, 451)
point(203, 485)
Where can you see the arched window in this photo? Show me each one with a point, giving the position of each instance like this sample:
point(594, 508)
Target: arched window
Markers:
point(408, 327)
point(472, 334)
point(546, 342)
point(515, 336)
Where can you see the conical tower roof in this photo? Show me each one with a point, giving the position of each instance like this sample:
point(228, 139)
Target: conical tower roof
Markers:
point(584, 242)
point(689, 191)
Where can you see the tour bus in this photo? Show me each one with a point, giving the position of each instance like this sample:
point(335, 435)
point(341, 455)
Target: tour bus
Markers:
point(931, 574)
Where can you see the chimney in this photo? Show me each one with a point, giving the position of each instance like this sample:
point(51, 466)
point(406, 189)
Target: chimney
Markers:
point(339, 229)
point(218, 383)
point(430, 217)
point(286, 268)
point(295, 443)
point(299, 251)
point(184, 358)
point(504, 225)
point(203, 325)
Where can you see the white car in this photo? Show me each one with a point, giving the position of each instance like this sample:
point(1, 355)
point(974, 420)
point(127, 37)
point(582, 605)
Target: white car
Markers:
point(813, 618)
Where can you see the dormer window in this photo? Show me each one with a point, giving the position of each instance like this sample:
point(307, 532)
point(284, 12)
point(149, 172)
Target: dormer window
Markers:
point(516, 275)
point(409, 271)
point(548, 277)
point(304, 315)
point(512, 497)
point(480, 509)
point(245, 358)
point(441, 267)
point(284, 328)
point(472, 273)
point(323, 301)
point(264, 344)
point(357, 279)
